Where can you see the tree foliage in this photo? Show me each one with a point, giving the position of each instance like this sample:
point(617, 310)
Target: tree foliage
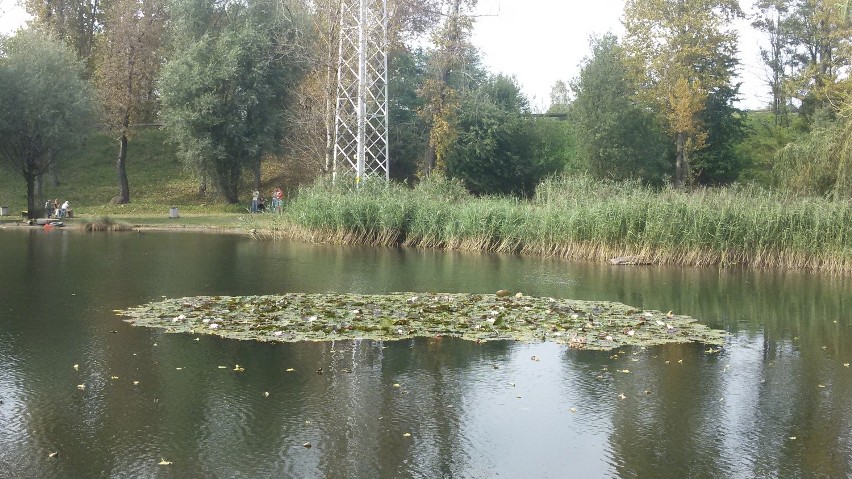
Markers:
point(45, 106)
point(495, 149)
point(130, 56)
point(679, 52)
point(75, 22)
point(227, 83)
point(618, 137)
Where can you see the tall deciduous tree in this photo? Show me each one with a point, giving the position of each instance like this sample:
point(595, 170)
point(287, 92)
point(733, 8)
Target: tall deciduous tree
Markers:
point(76, 22)
point(820, 36)
point(674, 46)
point(618, 137)
point(454, 70)
point(496, 148)
point(226, 86)
point(774, 18)
point(45, 106)
point(130, 59)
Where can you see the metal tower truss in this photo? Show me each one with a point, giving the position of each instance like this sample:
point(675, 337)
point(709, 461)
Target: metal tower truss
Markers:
point(361, 113)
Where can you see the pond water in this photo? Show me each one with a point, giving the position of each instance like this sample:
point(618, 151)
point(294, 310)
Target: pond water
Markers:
point(775, 402)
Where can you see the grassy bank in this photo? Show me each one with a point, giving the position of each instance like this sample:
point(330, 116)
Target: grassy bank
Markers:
point(584, 219)
point(157, 179)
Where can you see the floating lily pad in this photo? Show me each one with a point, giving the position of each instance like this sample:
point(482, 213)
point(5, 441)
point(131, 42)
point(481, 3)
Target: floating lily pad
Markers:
point(477, 317)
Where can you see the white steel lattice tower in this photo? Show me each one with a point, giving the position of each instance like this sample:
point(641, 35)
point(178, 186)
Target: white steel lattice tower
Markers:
point(361, 113)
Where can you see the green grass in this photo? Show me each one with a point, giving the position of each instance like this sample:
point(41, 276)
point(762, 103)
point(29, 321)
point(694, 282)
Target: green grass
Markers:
point(157, 180)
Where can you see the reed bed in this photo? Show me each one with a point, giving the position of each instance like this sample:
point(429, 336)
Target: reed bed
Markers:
point(582, 218)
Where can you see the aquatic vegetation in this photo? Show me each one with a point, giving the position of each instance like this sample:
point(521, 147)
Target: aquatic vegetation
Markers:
point(582, 218)
point(477, 317)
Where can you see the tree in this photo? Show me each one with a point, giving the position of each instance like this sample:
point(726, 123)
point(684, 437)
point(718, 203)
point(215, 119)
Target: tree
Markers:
point(495, 150)
point(45, 106)
point(560, 100)
point(618, 137)
point(227, 84)
point(407, 132)
point(774, 19)
point(820, 36)
point(76, 22)
point(454, 69)
point(130, 60)
point(678, 51)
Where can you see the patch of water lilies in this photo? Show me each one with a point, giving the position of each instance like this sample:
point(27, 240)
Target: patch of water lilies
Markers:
point(478, 317)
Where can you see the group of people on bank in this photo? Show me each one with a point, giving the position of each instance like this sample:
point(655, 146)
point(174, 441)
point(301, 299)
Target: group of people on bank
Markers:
point(55, 210)
point(258, 203)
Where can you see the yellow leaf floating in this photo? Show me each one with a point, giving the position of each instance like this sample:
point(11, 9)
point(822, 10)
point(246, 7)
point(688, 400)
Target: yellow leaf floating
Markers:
point(408, 434)
point(53, 454)
point(289, 370)
point(76, 367)
point(238, 369)
point(396, 385)
point(845, 365)
point(164, 462)
point(81, 387)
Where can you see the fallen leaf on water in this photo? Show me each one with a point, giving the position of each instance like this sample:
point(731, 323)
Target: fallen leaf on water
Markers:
point(793, 437)
point(573, 409)
point(408, 434)
point(626, 371)
point(113, 377)
point(535, 358)
point(845, 365)
point(197, 339)
point(820, 385)
point(164, 462)
point(135, 383)
point(307, 444)
point(53, 454)
point(238, 369)
point(518, 396)
point(178, 369)
point(512, 384)
point(222, 367)
point(266, 394)
point(712, 351)
point(396, 385)
point(81, 387)
point(76, 367)
point(289, 370)
point(680, 361)
point(622, 396)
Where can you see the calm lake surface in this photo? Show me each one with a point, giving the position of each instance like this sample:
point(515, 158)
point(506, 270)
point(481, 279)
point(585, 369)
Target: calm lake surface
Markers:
point(775, 402)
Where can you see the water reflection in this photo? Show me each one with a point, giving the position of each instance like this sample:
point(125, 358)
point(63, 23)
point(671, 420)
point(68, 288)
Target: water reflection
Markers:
point(773, 403)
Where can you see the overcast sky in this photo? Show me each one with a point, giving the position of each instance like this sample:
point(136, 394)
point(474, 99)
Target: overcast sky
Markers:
point(542, 41)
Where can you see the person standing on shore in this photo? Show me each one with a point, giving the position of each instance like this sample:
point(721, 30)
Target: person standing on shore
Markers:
point(47, 209)
point(255, 197)
point(277, 199)
point(64, 209)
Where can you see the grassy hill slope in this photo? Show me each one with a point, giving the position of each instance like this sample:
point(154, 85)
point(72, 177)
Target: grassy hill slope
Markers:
point(157, 181)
